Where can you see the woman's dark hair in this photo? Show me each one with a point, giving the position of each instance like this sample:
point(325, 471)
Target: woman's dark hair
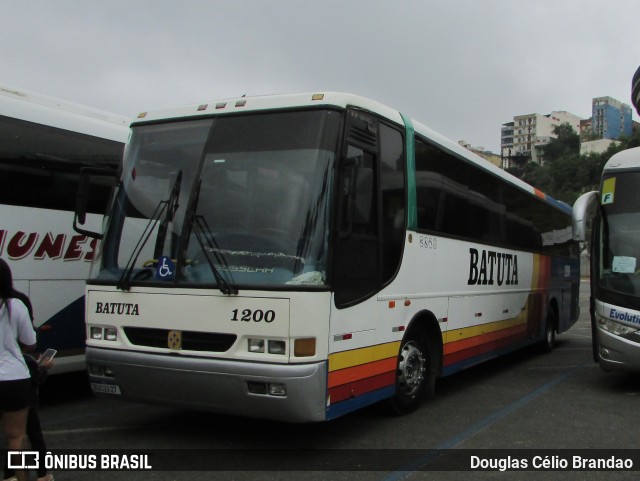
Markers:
point(6, 281)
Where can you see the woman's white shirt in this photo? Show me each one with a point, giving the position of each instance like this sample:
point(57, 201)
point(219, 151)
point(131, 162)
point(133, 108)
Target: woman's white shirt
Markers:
point(13, 328)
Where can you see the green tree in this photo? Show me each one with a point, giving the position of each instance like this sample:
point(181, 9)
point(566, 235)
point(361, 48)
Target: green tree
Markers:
point(567, 142)
point(566, 174)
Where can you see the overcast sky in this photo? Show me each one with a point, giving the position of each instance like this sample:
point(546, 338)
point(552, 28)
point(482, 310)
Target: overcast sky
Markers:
point(462, 67)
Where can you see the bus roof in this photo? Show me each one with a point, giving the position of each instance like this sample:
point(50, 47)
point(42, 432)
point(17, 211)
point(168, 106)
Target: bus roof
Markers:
point(627, 159)
point(271, 102)
point(340, 100)
point(40, 109)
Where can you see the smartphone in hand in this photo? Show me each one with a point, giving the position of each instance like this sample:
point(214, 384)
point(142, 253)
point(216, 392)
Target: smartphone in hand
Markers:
point(47, 356)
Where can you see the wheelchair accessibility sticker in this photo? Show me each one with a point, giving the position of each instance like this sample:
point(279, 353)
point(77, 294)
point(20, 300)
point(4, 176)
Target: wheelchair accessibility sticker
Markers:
point(166, 269)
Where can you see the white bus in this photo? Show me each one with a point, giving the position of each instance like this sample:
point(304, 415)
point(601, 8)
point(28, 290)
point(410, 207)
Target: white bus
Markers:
point(44, 142)
point(303, 256)
point(615, 261)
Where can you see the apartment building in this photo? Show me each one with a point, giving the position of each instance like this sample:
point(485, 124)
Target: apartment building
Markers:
point(523, 139)
point(610, 118)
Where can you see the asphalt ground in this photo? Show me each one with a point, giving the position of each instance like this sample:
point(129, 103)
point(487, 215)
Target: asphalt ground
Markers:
point(549, 406)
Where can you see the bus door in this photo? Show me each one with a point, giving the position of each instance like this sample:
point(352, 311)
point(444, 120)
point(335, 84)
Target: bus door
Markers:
point(371, 213)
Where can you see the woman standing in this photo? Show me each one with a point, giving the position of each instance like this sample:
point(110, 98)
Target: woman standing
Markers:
point(15, 382)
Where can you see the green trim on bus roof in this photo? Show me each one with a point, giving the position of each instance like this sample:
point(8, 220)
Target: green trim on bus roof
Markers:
point(412, 213)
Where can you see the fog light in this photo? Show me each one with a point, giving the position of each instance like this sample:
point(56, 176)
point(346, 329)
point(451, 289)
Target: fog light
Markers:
point(277, 347)
point(96, 370)
point(108, 371)
point(96, 333)
point(257, 388)
point(256, 345)
point(278, 390)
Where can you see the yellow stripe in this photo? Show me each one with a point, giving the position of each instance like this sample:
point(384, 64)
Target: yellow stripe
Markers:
point(467, 332)
point(342, 360)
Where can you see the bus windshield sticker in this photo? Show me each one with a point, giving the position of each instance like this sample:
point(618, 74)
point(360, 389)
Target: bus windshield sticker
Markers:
point(624, 264)
point(608, 189)
point(166, 269)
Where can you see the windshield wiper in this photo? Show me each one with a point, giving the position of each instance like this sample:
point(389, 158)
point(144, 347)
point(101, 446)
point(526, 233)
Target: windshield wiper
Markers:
point(172, 207)
point(208, 245)
point(168, 208)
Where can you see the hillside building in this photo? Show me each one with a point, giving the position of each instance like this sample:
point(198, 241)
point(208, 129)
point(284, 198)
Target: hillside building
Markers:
point(523, 140)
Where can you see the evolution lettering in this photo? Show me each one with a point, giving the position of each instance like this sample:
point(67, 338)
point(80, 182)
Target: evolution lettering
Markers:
point(489, 268)
point(20, 245)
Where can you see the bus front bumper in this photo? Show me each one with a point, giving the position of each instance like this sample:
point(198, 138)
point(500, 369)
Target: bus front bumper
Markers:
point(285, 392)
point(616, 353)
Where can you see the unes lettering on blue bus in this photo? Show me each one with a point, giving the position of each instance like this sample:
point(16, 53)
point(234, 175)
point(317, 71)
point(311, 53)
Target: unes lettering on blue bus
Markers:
point(44, 145)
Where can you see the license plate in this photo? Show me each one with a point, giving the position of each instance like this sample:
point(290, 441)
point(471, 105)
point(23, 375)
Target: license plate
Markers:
point(105, 388)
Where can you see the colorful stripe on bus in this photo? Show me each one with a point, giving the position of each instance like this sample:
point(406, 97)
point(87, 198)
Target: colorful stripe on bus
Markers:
point(471, 345)
point(363, 376)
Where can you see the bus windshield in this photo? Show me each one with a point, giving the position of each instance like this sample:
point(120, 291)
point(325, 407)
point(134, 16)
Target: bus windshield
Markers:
point(240, 201)
point(620, 255)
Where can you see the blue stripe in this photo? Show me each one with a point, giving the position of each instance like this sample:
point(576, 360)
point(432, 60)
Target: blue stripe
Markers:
point(353, 404)
point(480, 358)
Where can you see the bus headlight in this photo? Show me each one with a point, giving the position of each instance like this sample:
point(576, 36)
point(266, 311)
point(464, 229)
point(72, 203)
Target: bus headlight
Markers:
point(110, 334)
point(272, 346)
point(100, 333)
point(256, 345)
point(614, 327)
point(95, 333)
point(277, 347)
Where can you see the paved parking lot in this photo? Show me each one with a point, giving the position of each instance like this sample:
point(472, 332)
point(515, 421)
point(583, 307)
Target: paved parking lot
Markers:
point(527, 401)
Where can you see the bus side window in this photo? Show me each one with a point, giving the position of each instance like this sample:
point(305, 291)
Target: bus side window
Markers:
point(393, 193)
point(358, 182)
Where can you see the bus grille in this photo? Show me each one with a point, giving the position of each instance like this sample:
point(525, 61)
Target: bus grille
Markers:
point(191, 340)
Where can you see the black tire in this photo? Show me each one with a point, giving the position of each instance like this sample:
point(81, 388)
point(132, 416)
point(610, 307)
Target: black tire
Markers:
point(549, 340)
point(415, 373)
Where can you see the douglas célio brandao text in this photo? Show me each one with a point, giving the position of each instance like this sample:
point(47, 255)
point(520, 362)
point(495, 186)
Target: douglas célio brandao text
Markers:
point(550, 462)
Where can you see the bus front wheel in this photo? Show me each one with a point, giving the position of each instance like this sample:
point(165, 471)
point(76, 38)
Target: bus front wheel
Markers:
point(415, 378)
point(549, 340)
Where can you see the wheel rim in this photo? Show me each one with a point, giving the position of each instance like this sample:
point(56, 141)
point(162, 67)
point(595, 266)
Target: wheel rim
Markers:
point(411, 368)
point(550, 335)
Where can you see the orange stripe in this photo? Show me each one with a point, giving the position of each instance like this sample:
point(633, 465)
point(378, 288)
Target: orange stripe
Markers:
point(483, 339)
point(483, 348)
point(349, 391)
point(351, 374)
point(539, 193)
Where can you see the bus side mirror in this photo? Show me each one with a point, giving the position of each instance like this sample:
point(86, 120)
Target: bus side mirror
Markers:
point(584, 210)
point(82, 197)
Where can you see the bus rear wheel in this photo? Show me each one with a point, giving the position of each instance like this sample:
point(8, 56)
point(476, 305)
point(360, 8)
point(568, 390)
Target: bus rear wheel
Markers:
point(414, 374)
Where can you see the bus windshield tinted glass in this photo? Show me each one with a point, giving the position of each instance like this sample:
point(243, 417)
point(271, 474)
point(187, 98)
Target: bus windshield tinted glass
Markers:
point(232, 201)
point(620, 231)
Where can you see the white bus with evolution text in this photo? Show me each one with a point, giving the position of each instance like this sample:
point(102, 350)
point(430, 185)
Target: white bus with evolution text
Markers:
point(44, 143)
point(615, 261)
point(303, 256)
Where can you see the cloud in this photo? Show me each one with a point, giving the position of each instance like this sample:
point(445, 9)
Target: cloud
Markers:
point(461, 66)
